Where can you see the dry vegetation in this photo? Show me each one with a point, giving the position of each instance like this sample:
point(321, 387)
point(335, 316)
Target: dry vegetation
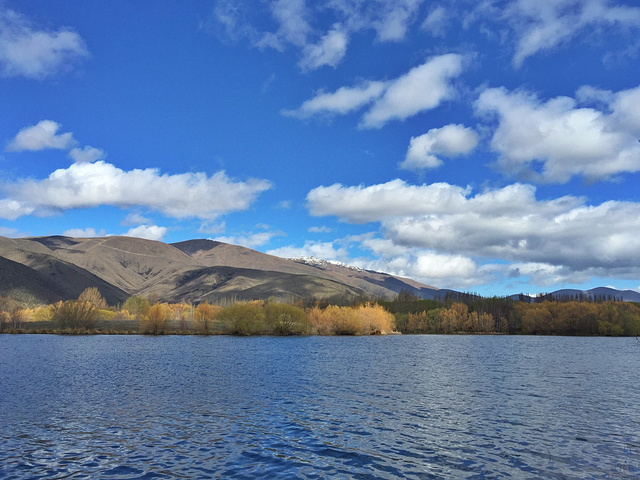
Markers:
point(91, 314)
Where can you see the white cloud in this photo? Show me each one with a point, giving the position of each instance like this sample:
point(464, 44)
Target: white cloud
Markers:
point(291, 15)
point(250, 240)
point(565, 139)
point(11, 232)
point(330, 50)
point(508, 224)
point(322, 229)
point(41, 136)
point(83, 233)
point(436, 21)
point(323, 250)
point(13, 209)
point(543, 25)
point(422, 88)
point(297, 25)
point(86, 154)
point(449, 141)
point(395, 198)
point(342, 101)
point(85, 185)
point(150, 232)
point(213, 228)
point(390, 19)
point(28, 52)
point(135, 218)
point(395, 18)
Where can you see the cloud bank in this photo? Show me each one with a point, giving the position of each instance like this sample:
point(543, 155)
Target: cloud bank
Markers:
point(508, 223)
point(86, 185)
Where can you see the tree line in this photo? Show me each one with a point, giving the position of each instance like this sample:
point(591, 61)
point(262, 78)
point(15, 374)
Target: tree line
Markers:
point(407, 313)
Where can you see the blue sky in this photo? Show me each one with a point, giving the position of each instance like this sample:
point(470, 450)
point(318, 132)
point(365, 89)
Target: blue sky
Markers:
point(487, 146)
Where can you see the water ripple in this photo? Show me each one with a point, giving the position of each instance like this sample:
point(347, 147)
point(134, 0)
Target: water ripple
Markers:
point(318, 408)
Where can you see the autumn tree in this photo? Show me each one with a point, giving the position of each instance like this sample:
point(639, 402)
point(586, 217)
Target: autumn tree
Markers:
point(374, 319)
point(154, 322)
point(94, 297)
point(203, 317)
point(136, 305)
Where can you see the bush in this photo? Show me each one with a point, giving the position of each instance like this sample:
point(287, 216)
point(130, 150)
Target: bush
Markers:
point(74, 314)
point(283, 319)
point(374, 319)
point(243, 318)
point(154, 321)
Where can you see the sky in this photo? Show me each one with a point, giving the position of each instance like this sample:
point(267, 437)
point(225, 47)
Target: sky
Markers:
point(489, 146)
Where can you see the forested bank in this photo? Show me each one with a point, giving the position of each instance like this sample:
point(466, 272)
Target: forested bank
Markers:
point(405, 314)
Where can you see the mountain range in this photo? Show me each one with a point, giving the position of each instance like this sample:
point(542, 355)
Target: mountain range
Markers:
point(47, 269)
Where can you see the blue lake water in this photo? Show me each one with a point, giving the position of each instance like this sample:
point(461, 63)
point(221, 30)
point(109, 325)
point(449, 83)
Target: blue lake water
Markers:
point(478, 407)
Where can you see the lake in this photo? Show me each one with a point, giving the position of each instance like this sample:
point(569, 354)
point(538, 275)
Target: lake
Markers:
point(477, 407)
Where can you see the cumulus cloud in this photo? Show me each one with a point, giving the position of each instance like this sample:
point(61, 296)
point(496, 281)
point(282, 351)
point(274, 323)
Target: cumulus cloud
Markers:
point(85, 185)
point(561, 137)
point(41, 136)
point(362, 204)
point(508, 224)
point(449, 141)
point(86, 154)
point(422, 88)
point(541, 26)
point(149, 232)
point(26, 51)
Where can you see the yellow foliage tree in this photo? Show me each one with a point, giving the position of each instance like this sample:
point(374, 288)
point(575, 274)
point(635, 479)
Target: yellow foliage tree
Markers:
point(154, 321)
point(374, 319)
point(204, 316)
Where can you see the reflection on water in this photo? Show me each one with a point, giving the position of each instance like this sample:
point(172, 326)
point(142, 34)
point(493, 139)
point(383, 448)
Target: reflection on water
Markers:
point(121, 407)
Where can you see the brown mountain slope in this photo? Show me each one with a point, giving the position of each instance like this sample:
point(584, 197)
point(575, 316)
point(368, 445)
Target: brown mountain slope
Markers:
point(194, 270)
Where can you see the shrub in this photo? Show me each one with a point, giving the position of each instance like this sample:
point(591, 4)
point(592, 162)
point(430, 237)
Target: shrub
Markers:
point(243, 318)
point(283, 319)
point(374, 319)
point(74, 314)
point(154, 321)
point(343, 320)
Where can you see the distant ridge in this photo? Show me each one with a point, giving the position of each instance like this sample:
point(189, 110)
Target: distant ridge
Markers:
point(47, 269)
point(594, 294)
